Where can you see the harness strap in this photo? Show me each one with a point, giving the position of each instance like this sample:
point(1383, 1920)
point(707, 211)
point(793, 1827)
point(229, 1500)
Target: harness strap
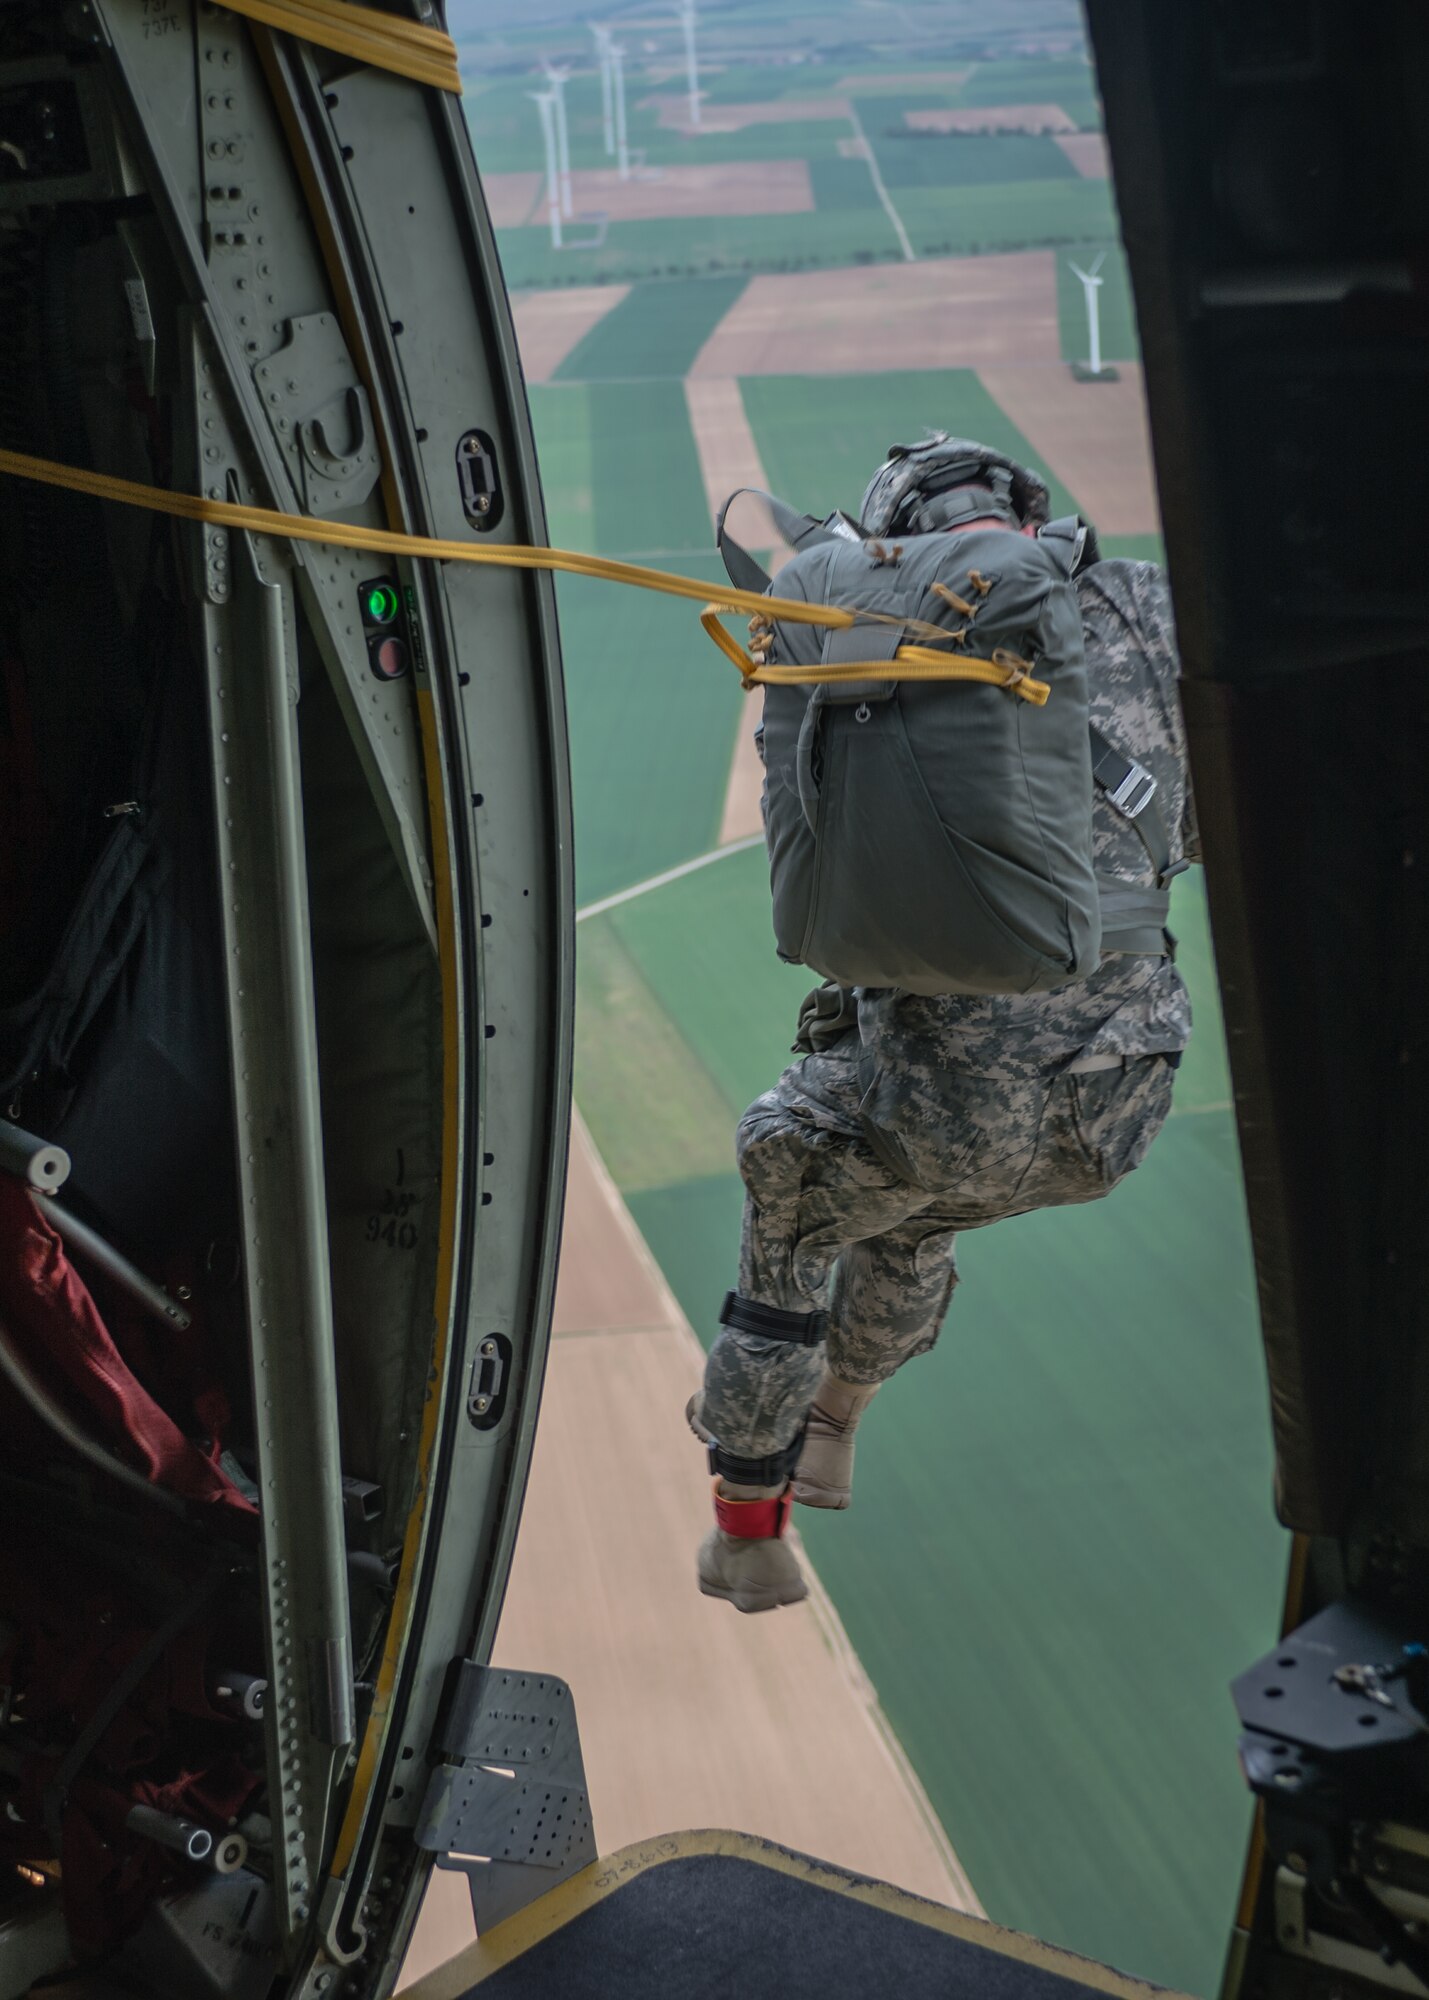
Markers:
point(1080, 537)
point(773, 1322)
point(800, 531)
point(1134, 918)
point(1131, 790)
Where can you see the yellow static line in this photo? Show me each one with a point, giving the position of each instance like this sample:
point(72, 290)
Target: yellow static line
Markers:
point(385, 41)
point(919, 663)
point(339, 534)
point(923, 664)
point(571, 1899)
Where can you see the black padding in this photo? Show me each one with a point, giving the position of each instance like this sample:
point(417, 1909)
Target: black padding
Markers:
point(716, 1927)
point(773, 1322)
point(770, 1471)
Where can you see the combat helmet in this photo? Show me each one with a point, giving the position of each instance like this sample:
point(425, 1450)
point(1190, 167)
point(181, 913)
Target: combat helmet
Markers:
point(923, 487)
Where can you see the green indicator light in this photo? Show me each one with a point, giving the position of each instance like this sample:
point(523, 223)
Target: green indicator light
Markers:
point(382, 604)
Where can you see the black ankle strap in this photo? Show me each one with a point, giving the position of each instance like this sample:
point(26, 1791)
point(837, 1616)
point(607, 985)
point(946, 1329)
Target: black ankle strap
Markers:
point(770, 1471)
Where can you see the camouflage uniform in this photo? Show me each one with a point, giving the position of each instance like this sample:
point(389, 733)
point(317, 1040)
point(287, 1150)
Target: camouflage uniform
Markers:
point(917, 1117)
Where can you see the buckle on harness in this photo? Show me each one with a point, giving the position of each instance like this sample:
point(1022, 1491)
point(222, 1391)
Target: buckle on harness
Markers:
point(1135, 792)
point(779, 1465)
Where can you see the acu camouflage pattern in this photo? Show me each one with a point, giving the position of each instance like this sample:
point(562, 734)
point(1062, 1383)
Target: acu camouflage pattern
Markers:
point(828, 1224)
point(931, 1115)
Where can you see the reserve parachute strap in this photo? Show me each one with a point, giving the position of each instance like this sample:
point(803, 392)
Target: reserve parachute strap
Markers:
point(909, 663)
point(385, 41)
point(913, 662)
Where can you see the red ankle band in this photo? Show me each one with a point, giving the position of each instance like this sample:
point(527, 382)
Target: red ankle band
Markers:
point(754, 1520)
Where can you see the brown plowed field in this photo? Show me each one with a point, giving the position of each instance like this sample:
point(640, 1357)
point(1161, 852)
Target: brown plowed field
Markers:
point(1087, 153)
point(742, 817)
point(731, 187)
point(512, 199)
point(949, 312)
point(548, 324)
point(674, 112)
point(1093, 436)
point(729, 459)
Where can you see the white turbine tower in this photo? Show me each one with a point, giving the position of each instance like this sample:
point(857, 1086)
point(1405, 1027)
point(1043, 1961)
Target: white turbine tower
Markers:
point(556, 78)
point(622, 150)
point(1091, 287)
point(545, 103)
point(607, 106)
point(692, 70)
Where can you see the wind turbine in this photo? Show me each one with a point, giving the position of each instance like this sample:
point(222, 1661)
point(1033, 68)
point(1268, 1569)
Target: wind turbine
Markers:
point(617, 70)
point(607, 109)
point(545, 103)
point(1091, 287)
point(687, 22)
point(556, 78)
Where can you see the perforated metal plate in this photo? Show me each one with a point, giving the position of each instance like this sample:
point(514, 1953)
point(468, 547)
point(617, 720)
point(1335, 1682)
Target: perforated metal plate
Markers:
point(511, 1809)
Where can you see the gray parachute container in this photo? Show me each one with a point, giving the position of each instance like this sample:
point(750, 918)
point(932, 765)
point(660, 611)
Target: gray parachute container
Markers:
point(934, 835)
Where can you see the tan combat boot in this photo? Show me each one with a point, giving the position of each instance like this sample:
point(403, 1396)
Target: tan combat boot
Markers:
point(824, 1475)
point(744, 1557)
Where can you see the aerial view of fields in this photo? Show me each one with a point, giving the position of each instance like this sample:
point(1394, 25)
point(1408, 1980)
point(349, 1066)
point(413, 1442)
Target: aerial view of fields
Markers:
point(870, 222)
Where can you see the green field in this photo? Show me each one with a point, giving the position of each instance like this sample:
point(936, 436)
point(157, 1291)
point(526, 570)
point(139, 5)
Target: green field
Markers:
point(1016, 215)
point(956, 194)
point(653, 707)
point(619, 467)
point(844, 184)
point(800, 139)
point(653, 713)
point(685, 247)
point(1068, 83)
point(961, 159)
point(940, 221)
point(1076, 1485)
point(653, 332)
point(1140, 548)
point(506, 131)
point(817, 463)
point(1065, 1508)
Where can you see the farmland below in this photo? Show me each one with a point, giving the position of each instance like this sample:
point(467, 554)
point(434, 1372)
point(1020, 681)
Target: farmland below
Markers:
point(1063, 1545)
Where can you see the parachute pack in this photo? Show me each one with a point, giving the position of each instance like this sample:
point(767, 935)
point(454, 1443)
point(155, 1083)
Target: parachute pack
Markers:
point(937, 836)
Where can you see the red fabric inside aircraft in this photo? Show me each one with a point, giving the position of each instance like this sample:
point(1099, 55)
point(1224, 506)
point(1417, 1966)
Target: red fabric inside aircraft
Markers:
point(58, 1333)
